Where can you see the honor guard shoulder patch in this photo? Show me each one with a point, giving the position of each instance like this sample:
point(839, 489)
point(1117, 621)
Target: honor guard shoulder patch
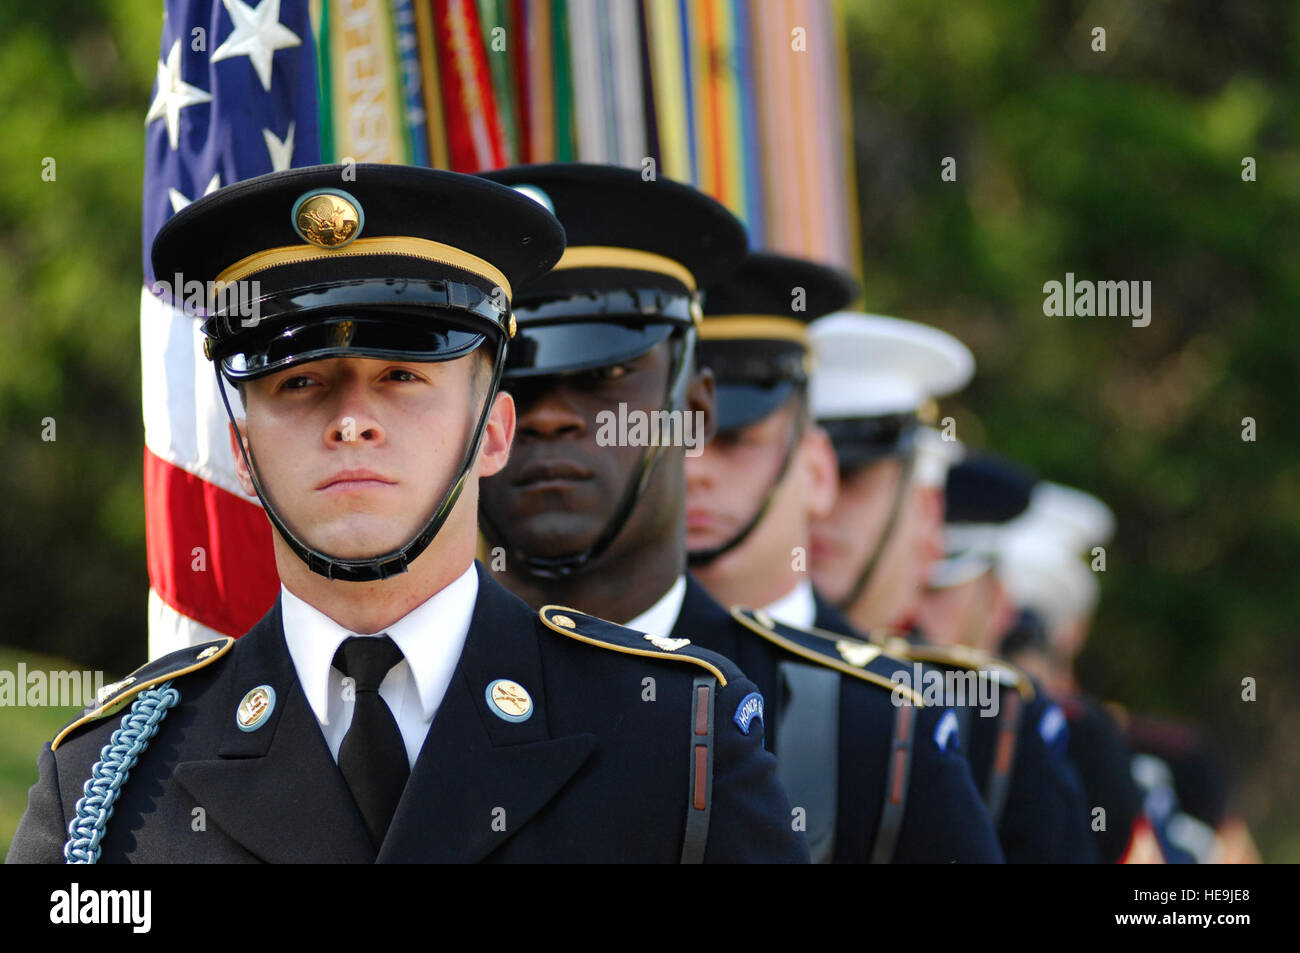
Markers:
point(610, 635)
point(962, 656)
point(862, 660)
point(750, 707)
point(112, 698)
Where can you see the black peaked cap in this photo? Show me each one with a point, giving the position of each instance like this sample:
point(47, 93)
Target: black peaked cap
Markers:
point(765, 282)
point(759, 366)
point(987, 489)
point(607, 205)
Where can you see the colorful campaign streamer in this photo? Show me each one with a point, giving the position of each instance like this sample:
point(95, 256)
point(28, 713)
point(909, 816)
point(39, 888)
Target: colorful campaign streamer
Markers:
point(363, 83)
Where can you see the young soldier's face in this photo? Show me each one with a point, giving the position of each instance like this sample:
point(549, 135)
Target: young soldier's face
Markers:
point(974, 613)
point(564, 479)
point(843, 542)
point(354, 452)
point(728, 482)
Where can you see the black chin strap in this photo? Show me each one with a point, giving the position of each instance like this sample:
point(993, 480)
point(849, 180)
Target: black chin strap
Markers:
point(564, 566)
point(398, 560)
point(895, 513)
point(702, 557)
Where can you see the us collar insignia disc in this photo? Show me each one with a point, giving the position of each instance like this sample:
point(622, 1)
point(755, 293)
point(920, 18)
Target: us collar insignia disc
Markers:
point(509, 700)
point(255, 708)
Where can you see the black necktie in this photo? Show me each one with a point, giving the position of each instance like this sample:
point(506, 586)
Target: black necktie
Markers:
point(373, 755)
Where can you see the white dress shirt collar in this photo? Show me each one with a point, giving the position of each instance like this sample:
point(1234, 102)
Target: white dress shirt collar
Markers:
point(798, 607)
point(660, 618)
point(431, 637)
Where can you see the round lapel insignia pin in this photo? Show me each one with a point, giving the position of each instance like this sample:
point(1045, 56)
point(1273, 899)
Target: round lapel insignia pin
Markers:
point(509, 700)
point(328, 218)
point(255, 708)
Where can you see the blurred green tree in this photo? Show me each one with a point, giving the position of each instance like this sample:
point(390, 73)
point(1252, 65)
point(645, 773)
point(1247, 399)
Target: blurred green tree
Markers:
point(1126, 163)
point(74, 85)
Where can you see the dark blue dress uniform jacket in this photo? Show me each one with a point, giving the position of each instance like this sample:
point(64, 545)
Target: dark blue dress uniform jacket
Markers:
point(595, 774)
point(1046, 817)
point(944, 819)
point(1098, 750)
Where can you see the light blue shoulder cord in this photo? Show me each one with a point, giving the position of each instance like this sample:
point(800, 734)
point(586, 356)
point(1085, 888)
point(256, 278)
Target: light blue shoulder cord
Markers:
point(110, 772)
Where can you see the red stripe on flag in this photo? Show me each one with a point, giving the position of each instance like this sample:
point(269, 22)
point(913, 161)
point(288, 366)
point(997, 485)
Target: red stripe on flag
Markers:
point(475, 137)
point(232, 582)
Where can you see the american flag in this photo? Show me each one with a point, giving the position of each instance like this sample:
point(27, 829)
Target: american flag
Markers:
point(235, 97)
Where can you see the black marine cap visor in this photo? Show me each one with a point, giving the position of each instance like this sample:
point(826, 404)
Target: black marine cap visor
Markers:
point(861, 441)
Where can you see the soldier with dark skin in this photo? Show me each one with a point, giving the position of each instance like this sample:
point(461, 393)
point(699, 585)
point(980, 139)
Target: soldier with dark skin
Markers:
point(602, 524)
point(397, 704)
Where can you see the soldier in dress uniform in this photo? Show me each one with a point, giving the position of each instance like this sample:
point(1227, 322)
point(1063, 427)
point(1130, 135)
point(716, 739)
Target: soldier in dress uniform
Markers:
point(1031, 784)
point(874, 392)
point(875, 379)
point(1041, 564)
point(755, 490)
point(1046, 562)
point(396, 704)
point(572, 517)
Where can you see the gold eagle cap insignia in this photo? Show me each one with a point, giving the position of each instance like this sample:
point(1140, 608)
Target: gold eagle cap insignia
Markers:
point(327, 219)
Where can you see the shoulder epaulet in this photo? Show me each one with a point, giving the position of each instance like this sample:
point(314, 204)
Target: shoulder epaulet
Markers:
point(963, 656)
point(113, 698)
point(862, 660)
point(618, 638)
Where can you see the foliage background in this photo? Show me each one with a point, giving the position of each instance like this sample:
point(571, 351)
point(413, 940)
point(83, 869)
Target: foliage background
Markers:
point(1123, 164)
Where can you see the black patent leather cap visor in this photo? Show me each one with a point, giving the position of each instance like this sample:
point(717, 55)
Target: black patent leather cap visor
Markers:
point(580, 346)
point(742, 404)
point(861, 441)
point(385, 336)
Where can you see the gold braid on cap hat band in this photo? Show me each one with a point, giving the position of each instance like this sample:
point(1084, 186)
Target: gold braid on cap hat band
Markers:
point(384, 245)
point(751, 327)
point(609, 256)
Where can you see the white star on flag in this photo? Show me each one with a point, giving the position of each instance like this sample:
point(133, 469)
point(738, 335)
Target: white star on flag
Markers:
point(281, 152)
point(173, 95)
point(179, 201)
point(258, 34)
